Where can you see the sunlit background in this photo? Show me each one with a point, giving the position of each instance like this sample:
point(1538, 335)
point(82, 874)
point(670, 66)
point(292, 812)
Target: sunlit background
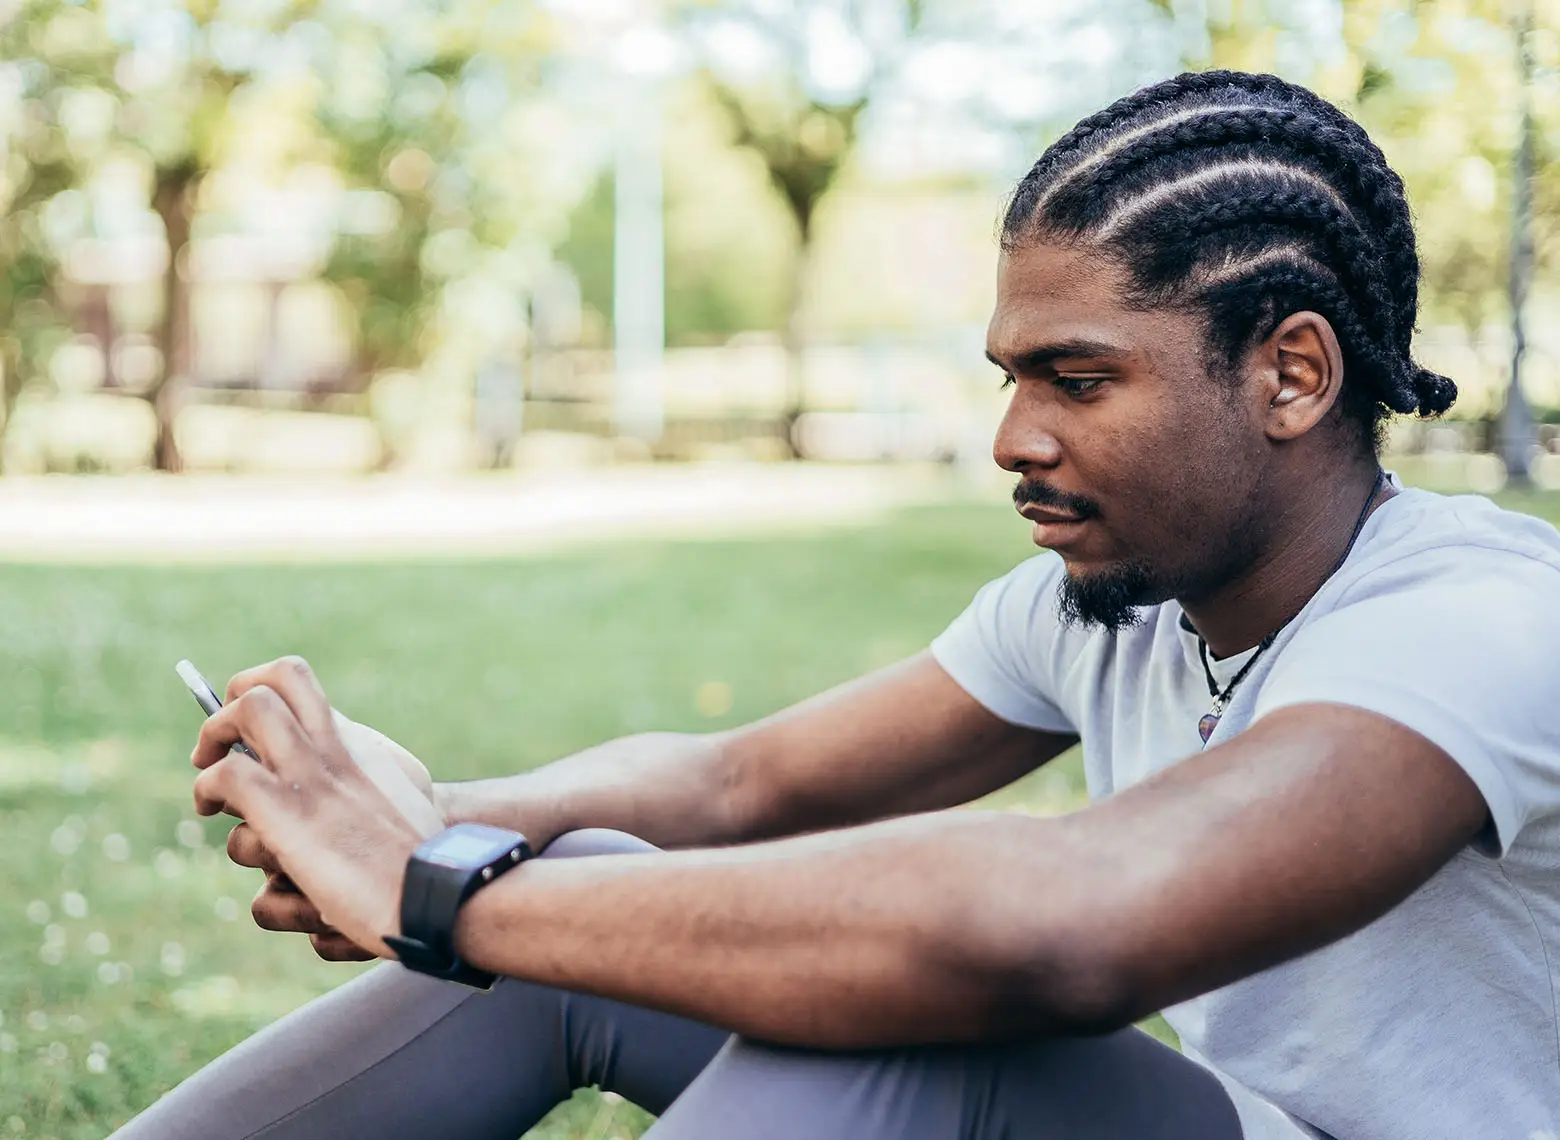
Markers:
point(551, 370)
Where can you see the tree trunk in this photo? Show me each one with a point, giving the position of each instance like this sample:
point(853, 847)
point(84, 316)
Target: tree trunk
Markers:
point(173, 201)
point(793, 339)
point(10, 389)
point(1517, 436)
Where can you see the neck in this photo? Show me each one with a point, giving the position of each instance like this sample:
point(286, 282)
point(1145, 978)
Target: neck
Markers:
point(1305, 542)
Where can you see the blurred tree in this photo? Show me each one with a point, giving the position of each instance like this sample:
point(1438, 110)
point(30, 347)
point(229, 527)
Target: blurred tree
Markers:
point(444, 114)
point(427, 115)
point(799, 112)
point(36, 167)
point(154, 80)
point(729, 249)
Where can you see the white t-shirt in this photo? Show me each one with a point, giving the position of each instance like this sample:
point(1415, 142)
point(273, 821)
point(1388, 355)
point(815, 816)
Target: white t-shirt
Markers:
point(1438, 1020)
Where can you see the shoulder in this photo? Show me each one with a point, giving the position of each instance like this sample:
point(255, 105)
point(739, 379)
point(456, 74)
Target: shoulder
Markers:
point(1422, 540)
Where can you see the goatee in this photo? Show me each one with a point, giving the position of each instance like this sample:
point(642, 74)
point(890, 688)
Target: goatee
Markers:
point(1109, 599)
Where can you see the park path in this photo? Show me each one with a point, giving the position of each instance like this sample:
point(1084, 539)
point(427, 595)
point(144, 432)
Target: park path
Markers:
point(155, 518)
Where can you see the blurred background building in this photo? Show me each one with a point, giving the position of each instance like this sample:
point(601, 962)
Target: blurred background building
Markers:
point(261, 235)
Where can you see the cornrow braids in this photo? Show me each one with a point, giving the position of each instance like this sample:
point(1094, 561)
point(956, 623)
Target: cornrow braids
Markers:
point(1246, 198)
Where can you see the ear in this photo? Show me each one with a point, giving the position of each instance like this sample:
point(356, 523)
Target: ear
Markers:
point(1299, 370)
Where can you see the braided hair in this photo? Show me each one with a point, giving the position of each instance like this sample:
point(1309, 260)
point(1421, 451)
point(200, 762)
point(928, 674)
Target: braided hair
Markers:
point(1247, 198)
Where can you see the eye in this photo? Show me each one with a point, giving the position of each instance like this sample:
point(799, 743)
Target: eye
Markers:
point(1077, 386)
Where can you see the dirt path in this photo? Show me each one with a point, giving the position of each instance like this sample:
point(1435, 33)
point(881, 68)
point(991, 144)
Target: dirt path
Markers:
point(155, 518)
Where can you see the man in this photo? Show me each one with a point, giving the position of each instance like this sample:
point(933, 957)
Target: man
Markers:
point(1317, 714)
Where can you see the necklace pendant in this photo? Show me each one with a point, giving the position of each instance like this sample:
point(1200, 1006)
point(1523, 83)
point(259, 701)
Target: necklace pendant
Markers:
point(1210, 719)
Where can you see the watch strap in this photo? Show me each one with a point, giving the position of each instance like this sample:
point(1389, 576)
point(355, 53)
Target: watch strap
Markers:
point(432, 894)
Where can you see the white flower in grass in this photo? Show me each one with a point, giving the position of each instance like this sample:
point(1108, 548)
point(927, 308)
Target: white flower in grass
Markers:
point(97, 1063)
point(226, 908)
point(116, 848)
point(7, 1043)
point(191, 833)
point(54, 935)
point(57, 1052)
point(37, 1021)
point(108, 972)
point(74, 904)
point(38, 911)
point(172, 959)
point(167, 863)
point(51, 955)
point(64, 840)
point(97, 943)
point(75, 1023)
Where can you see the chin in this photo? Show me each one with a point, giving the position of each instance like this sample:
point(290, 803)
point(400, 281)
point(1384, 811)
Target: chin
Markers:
point(1108, 595)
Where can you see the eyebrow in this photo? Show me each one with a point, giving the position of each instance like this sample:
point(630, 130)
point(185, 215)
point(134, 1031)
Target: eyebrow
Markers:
point(1036, 358)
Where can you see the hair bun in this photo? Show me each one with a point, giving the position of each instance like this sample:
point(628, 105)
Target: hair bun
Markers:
point(1435, 392)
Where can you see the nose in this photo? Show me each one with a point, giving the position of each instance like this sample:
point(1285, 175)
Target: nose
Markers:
point(1023, 440)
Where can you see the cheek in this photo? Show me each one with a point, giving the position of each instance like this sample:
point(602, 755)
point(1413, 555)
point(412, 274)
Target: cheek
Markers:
point(1166, 477)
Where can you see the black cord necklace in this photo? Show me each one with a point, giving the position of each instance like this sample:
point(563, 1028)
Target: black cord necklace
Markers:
point(1221, 701)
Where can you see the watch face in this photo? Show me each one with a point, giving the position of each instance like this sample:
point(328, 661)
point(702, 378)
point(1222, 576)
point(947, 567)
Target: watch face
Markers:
point(468, 845)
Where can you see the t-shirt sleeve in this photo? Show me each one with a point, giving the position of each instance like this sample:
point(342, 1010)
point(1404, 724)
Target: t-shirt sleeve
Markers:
point(1462, 652)
point(1000, 648)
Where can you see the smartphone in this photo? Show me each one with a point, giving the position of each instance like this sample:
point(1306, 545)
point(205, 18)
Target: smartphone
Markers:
point(205, 696)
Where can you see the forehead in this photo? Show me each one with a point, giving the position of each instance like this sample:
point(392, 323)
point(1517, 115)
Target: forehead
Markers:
point(1049, 294)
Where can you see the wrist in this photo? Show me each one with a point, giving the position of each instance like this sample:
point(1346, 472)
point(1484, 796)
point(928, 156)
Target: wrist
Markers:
point(447, 801)
point(496, 803)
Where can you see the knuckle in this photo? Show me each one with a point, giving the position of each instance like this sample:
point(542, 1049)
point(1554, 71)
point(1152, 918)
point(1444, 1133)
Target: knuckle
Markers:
point(261, 698)
point(297, 666)
point(329, 947)
point(219, 779)
point(237, 684)
point(206, 736)
point(263, 910)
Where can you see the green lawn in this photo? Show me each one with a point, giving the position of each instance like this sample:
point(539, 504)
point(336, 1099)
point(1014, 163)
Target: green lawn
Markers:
point(127, 957)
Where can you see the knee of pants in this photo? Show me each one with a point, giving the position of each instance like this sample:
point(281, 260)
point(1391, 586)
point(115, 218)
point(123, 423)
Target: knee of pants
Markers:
point(594, 841)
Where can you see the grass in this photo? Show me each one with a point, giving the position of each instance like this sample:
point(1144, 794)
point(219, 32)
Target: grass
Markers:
point(127, 957)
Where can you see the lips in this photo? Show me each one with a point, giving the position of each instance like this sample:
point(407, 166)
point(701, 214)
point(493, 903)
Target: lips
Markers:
point(1038, 514)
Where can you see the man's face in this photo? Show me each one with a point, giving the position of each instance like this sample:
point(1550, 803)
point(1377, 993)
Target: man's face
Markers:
point(1139, 467)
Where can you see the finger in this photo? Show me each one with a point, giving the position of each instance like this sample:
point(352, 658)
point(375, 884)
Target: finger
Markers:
point(233, 784)
point(338, 948)
point(261, 717)
point(292, 679)
point(245, 848)
point(276, 910)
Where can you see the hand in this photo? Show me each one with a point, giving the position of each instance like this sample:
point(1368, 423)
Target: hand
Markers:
point(279, 905)
point(341, 834)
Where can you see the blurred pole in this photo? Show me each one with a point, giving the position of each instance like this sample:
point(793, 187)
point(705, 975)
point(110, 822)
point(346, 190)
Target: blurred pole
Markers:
point(639, 266)
point(1517, 437)
point(1193, 43)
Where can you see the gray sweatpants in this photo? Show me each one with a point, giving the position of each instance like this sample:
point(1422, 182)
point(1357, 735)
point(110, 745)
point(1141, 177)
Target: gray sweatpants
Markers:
point(395, 1055)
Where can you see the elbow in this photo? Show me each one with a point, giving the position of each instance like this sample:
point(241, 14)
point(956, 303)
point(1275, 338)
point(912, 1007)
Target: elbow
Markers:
point(1051, 982)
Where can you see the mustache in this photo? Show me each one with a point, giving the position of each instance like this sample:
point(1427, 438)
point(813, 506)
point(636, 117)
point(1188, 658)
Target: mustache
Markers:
point(1045, 495)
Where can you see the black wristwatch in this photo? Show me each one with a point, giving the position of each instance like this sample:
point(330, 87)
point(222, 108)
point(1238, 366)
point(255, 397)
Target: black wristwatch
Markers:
point(442, 874)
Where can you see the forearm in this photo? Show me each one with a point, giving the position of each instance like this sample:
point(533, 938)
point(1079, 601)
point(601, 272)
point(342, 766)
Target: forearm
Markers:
point(904, 740)
point(670, 789)
point(896, 933)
